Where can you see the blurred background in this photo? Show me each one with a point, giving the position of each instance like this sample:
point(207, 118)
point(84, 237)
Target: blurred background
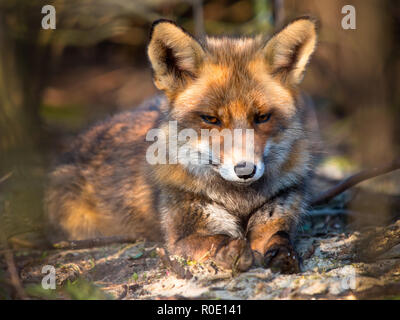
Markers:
point(54, 83)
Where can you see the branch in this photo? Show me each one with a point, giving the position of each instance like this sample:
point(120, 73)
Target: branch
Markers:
point(91, 243)
point(330, 212)
point(279, 13)
point(14, 277)
point(6, 177)
point(352, 181)
point(71, 244)
point(198, 18)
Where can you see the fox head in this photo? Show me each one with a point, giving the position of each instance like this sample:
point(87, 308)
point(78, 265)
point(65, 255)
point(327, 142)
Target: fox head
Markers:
point(228, 84)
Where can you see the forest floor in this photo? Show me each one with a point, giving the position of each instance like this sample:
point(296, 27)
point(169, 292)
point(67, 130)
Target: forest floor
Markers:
point(331, 269)
point(338, 262)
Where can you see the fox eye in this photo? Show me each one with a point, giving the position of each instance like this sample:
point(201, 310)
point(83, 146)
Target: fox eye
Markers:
point(210, 119)
point(261, 118)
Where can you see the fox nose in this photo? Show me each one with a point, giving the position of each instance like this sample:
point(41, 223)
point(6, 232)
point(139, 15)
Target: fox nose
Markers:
point(245, 170)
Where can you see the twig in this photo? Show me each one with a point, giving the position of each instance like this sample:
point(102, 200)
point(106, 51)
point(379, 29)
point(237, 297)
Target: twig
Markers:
point(331, 212)
point(198, 18)
point(91, 243)
point(279, 13)
point(12, 270)
point(5, 177)
point(352, 181)
point(73, 244)
point(22, 243)
point(173, 265)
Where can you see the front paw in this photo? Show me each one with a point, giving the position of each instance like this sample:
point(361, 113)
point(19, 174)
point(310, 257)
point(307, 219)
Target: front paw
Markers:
point(279, 256)
point(235, 255)
point(282, 258)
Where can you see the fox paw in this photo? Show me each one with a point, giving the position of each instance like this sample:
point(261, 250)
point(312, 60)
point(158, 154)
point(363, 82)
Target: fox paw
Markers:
point(283, 259)
point(279, 256)
point(236, 255)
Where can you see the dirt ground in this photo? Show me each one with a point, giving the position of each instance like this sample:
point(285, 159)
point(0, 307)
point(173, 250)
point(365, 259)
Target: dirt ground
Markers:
point(337, 263)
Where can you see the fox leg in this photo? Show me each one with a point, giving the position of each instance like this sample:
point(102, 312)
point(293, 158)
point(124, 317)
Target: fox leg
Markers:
point(272, 246)
point(202, 231)
point(227, 252)
point(271, 231)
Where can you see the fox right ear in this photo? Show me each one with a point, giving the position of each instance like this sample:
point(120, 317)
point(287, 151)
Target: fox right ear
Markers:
point(175, 56)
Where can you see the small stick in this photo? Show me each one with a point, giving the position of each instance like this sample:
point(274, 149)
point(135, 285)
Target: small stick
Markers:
point(330, 212)
point(12, 270)
point(5, 177)
point(73, 244)
point(91, 243)
point(198, 18)
point(352, 181)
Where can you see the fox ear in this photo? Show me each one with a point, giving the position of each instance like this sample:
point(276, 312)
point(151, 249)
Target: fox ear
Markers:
point(175, 56)
point(289, 51)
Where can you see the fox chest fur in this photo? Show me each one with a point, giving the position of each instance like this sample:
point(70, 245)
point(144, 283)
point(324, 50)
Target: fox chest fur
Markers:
point(203, 201)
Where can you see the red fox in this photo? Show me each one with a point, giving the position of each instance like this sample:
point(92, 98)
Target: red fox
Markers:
point(105, 185)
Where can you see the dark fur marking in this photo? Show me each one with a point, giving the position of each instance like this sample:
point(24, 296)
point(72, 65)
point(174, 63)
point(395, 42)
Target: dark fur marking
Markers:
point(282, 234)
point(172, 63)
point(285, 192)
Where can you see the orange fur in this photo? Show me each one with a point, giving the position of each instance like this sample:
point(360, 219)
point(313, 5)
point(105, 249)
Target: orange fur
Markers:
point(105, 186)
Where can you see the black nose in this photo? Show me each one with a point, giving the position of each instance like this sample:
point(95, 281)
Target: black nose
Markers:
point(245, 170)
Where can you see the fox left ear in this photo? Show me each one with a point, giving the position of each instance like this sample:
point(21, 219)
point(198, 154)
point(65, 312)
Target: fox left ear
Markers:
point(175, 56)
point(289, 51)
